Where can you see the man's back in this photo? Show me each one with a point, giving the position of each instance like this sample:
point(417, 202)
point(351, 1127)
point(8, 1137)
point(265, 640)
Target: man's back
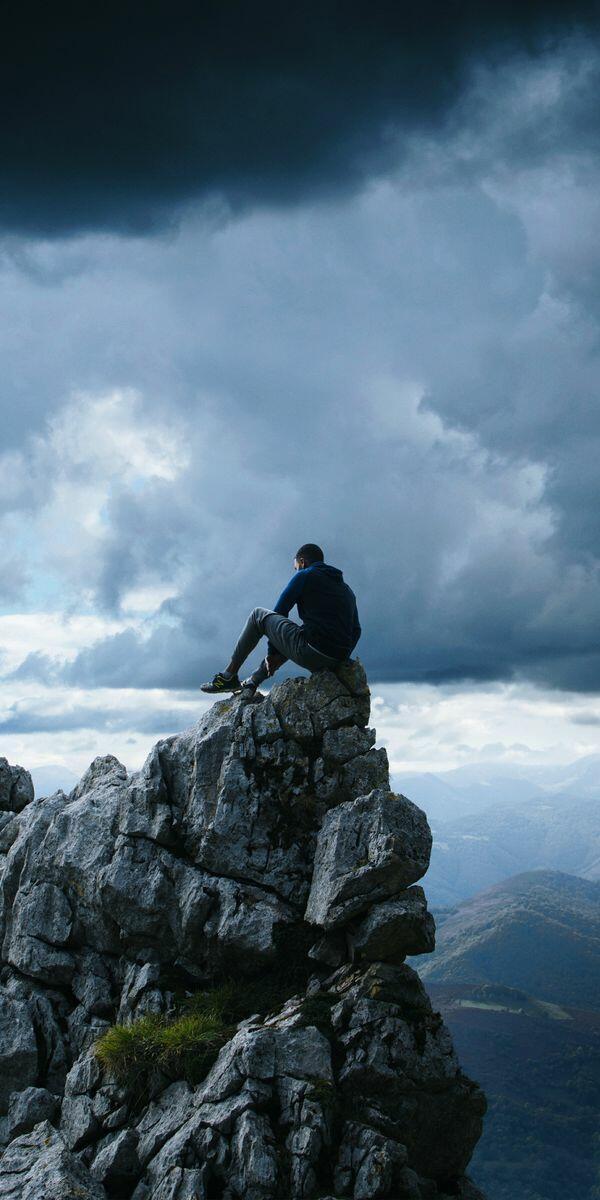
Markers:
point(326, 606)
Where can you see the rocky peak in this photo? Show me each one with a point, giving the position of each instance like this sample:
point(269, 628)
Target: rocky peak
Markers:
point(16, 789)
point(247, 899)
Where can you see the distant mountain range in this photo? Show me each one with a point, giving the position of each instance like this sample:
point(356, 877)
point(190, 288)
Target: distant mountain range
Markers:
point(470, 789)
point(554, 832)
point(516, 976)
point(538, 932)
point(490, 823)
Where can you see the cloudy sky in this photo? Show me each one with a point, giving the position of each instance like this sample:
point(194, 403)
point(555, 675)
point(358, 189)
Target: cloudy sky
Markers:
point(273, 277)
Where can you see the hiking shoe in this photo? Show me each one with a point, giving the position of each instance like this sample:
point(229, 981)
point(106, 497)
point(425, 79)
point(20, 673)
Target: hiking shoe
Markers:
point(222, 683)
point(249, 688)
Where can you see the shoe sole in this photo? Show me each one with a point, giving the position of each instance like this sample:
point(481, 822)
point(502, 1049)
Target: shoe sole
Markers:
point(210, 691)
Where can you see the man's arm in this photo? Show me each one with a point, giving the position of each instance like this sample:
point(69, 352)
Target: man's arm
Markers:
point(288, 598)
point(291, 594)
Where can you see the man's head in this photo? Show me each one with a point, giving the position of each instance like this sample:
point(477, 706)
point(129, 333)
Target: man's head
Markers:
point(307, 555)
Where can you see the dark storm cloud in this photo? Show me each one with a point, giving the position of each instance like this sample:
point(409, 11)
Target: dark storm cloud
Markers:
point(24, 720)
point(116, 115)
point(169, 658)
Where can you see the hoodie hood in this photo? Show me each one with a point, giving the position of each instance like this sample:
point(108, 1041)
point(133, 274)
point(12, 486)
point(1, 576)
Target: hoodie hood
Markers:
point(325, 569)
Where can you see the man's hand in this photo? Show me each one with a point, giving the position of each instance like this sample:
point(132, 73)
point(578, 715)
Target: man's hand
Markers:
point(274, 661)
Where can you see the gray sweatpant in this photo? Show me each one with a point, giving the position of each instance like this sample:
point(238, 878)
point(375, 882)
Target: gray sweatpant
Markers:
point(285, 635)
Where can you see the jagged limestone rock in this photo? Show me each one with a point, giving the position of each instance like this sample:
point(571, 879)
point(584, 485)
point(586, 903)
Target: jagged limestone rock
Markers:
point(115, 1162)
point(38, 1166)
point(41, 923)
point(262, 843)
point(16, 787)
point(27, 1108)
point(79, 1126)
point(48, 1010)
point(161, 1119)
point(340, 745)
point(364, 773)
point(368, 849)
point(394, 929)
point(399, 1058)
point(18, 1048)
point(368, 1163)
point(274, 1087)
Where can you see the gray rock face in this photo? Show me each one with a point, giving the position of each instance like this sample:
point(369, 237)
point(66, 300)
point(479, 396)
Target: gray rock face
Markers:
point(18, 1049)
point(116, 1162)
point(38, 1166)
point(394, 929)
point(367, 850)
point(368, 1164)
point(16, 787)
point(263, 840)
point(273, 1096)
point(28, 1107)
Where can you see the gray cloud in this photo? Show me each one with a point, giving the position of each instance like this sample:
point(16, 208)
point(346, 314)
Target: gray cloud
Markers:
point(24, 720)
point(585, 718)
point(36, 666)
point(406, 377)
point(157, 105)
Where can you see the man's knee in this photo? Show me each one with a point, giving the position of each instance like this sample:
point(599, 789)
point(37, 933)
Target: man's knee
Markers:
point(257, 617)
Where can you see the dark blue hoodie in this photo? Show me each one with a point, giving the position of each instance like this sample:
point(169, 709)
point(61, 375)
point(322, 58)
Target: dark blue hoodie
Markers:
point(326, 606)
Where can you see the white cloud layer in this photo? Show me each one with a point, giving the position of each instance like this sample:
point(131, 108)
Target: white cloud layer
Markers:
point(423, 728)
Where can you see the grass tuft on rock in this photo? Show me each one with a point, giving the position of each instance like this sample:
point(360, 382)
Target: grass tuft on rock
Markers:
point(181, 1048)
point(155, 1047)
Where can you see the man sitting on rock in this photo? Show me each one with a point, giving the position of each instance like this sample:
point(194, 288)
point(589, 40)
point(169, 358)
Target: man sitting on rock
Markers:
point(328, 635)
